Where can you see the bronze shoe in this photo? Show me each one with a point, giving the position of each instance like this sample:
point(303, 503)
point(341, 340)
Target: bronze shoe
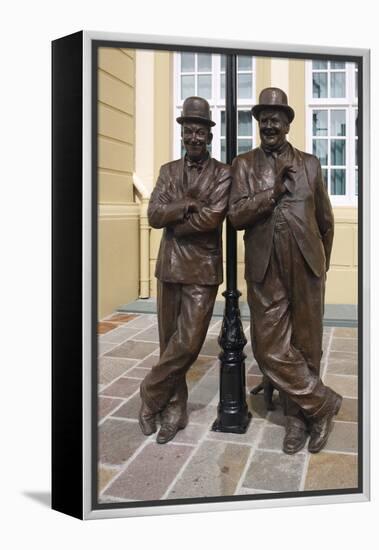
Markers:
point(169, 431)
point(295, 437)
point(320, 428)
point(147, 420)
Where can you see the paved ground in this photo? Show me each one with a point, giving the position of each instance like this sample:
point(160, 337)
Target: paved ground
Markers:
point(199, 462)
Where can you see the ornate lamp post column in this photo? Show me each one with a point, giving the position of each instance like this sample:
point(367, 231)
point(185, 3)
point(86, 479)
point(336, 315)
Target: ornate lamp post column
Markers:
point(232, 412)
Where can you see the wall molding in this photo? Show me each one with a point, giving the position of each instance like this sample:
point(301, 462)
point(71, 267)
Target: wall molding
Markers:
point(119, 211)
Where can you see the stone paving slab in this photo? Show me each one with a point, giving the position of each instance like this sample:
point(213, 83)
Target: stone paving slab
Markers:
point(130, 409)
point(349, 410)
point(105, 475)
point(344, 385)
point(119, 335)
point(121, 318)
point(201, 366)
point(191, 434)
point(107, 404)
point(104, 326)
point(343, 438)
point(344, 332)
point(342, 363)
point(344, 344)
point(143, 321)
point(133, 350)
point(149, 335)
point(138, 372)
point(123, 387)
point(214, 470)
point(332, 471)
point(149, 475)
point(201, 414)
point(118, 440)
point(206, 389)
point(110, 368)
point(275, 471)
point(103, 347)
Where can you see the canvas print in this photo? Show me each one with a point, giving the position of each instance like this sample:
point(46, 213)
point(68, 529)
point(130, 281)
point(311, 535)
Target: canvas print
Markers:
point(202, 393)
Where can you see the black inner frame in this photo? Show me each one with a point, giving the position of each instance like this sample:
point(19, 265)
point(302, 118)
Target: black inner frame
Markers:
point(96, 44)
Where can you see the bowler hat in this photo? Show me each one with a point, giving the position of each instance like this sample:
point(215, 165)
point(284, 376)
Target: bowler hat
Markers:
point(273, 98)
point(196, 109)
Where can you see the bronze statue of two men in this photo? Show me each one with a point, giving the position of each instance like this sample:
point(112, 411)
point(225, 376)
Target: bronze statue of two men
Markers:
point(276, 194)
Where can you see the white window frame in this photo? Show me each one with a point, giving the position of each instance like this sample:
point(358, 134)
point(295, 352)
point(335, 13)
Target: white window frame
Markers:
point(350, 104)
point(217, 104)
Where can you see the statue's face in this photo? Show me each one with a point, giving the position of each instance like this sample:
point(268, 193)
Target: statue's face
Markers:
point(196, 136)
point(273, 128)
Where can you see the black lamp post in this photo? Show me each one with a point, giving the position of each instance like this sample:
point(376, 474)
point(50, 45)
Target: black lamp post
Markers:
point(232, 412)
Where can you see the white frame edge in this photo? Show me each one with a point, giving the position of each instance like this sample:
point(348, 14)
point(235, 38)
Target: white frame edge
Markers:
point(88, 512)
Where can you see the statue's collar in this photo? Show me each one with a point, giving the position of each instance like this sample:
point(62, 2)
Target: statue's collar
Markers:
point(282, 150)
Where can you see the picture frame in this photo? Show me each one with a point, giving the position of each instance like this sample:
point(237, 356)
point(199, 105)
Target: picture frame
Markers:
point(75, 203)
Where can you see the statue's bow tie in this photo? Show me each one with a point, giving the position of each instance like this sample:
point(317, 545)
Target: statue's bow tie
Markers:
point(193, 164)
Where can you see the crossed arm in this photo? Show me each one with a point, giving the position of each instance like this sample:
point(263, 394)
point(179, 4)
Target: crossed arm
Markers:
point(187, 215)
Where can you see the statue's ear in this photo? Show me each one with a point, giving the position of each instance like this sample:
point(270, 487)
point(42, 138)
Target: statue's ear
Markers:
point(210, 137)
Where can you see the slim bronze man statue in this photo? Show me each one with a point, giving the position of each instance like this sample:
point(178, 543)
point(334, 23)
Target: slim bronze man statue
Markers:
point(278, 197)
point(189, 201)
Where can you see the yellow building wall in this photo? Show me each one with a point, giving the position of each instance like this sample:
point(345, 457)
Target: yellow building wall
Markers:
point(163, 139)
point(118, 214)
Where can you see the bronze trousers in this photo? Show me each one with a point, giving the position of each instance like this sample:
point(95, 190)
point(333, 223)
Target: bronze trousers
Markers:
point(287, 310)
point(184, 314)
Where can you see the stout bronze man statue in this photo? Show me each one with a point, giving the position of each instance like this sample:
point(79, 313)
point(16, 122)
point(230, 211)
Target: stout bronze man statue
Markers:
point(279, 198)
point(189, 201)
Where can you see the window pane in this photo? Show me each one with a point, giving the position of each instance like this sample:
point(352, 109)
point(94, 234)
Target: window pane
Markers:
point(337, 84)
point(320, 123)
point(223, 127)
point(223, 150)
point(245, 86)
point(188, 86)
point(204, 62)
point(245, 123)
point(337, 65)
point(223, 62)
point(320, 84)
point(337, 152)
point(244, 145)
point(204, 86)
point(325, 177)
point(188, 62)
point(222, 86)
point(338, 122)
point(337, 182)
point(320, 149)
point(244, 63)
point(316, 64)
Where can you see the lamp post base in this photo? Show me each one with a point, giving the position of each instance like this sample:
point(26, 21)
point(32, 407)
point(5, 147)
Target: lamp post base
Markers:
point(232, 412)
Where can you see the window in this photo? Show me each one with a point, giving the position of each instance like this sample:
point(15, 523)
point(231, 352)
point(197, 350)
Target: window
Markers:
point(332, 125)
point(204, 75)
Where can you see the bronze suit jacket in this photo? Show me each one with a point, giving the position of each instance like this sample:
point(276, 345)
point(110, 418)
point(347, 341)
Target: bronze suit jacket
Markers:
point(191, 248)
point(306, 208)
